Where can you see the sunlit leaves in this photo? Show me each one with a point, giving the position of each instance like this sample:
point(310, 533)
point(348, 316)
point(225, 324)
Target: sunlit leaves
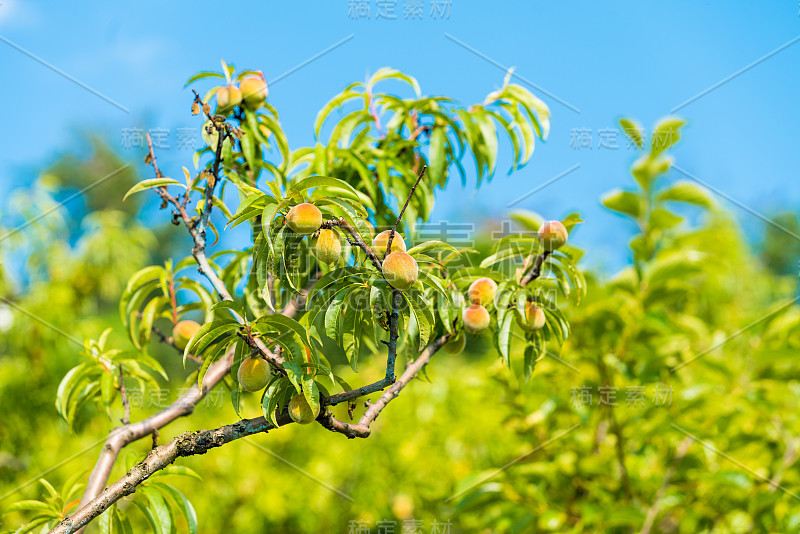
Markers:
point(54, 506)
point(665, 134)
point(98, 378)
point(144, 185)
point(684, 191)
point(624, 202)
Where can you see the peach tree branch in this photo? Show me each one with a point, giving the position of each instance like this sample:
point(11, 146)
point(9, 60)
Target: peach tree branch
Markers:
point(536, 271)
point(355, 240)
point(361, 429)
point(200, 442)
point(122, 436)
point(402, 211)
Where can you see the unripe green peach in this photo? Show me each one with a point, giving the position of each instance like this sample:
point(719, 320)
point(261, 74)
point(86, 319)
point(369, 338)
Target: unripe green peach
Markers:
point(304, 218)
point(254, 91)
point(553, 235)
point(381, 241)
point(455, 344)
point(400, 270)
point(476, 319)
point(253, 374)
point(327, 246)
point(300, 411)
point(229, 97)
point(182, 332)
point(533, 319)
point(482, 291)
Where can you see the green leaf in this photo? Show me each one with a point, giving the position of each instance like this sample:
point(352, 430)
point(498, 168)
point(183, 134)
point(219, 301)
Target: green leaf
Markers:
point(310, 391)
point(661, 219)
point(349, 327)
point(230, 305)
point(37, 522)
point(149, 315)
point(270, 401)
point(423, 314)
point(182, 503)
point(137, 281)
point(528, 220)
point(27, 505)
point(431, 245)
point(437, 158)
point(159, 508)
point(624, 202)
point(665, 134)
point(206, 335)
point(324, 181)
point(294, 373)
point(685, 191)
point(151, 183)
point(388, 72)
point(202, 75)
point(155, 524)
point(530, 357)
point(336, 101)
point(503, 337)
point(633, 130)
point(177, 470)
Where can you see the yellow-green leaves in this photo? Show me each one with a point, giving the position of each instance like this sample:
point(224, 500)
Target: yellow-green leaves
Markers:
point(665, 134)
point(685, 191)
point(633, 130)
point(150, 184)
point(624, 202)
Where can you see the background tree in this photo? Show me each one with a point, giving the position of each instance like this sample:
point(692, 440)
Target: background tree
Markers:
point(696, 321)
point(271, 308)
point(677, 385)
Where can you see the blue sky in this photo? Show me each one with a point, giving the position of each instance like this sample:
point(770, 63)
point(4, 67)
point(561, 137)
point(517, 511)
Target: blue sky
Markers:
point(605, 59)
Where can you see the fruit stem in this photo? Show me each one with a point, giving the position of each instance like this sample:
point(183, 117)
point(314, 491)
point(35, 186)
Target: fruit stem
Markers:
point(399, 217)
point(534, 273)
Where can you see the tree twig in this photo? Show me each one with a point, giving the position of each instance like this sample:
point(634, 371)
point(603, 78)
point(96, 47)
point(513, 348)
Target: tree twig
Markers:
point(536, 271)
point(356, 241)
point(186, 444)
point(361, 429)
point(126, 434)
point(391, 358)
point(124, 395)
point(193, 443)
point(400, 216)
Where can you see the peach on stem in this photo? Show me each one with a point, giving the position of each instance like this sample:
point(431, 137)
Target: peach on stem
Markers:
point(553, 235)
point(228, 97)
point(381, 241)
point(532, 319)
point(304, 218)
point(254, 91)
point(482, 291)
point(476, 319)
point(327, 246)
point(183, 332)
point(400, 270)
point(456, 344)
point(301, 411)
point(253, 373)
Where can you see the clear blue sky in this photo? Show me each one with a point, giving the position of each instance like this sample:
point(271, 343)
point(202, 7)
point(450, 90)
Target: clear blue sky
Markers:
point(607, 59)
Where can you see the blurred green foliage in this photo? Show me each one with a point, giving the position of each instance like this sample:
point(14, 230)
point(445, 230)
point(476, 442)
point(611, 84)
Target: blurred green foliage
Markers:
point(697, 325)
